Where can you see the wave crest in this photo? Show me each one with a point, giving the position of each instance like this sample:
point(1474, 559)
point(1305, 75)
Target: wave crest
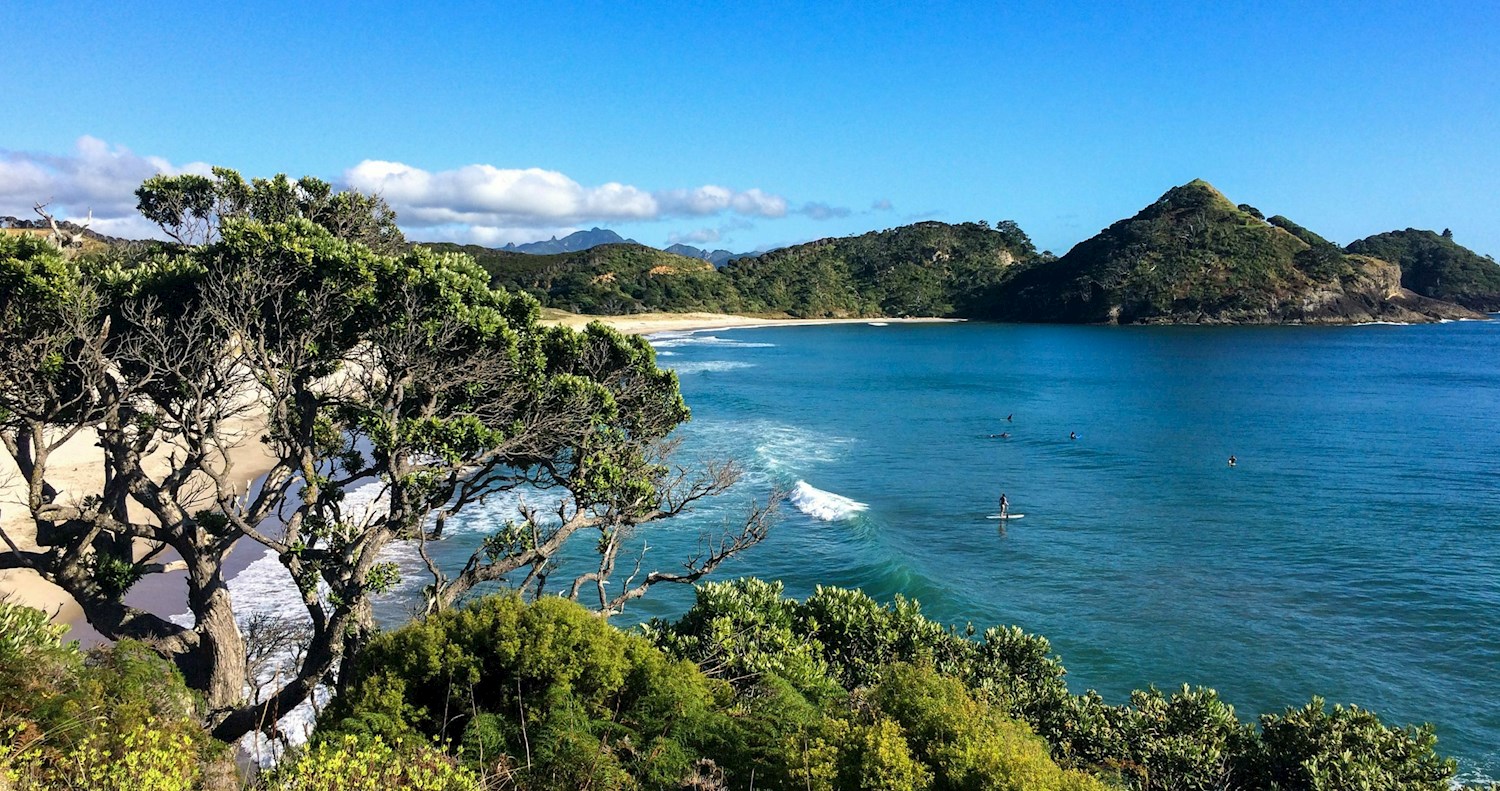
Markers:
point(826, 506)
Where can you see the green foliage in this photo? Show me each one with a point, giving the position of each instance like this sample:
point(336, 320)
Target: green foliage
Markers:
point(838, 642)
point(1346, 749)
point(354, 763)
point(926, 269)
point(117, 717)
point(547, 691)
point(34, 276)
point(1435, 266)
point(192, 209)
point(970, 743)
point(609, 279)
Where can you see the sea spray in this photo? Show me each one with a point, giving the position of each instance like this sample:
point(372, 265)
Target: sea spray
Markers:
point(709, 366)
point(669, 340)
point(826, 506)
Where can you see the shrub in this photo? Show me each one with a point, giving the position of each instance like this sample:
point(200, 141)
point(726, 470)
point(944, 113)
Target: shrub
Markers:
point(355, 763)
point(1317, 749)
point(546, 692)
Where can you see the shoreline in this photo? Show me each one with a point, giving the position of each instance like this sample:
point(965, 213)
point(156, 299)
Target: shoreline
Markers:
point(76, 470)
point(652, 323)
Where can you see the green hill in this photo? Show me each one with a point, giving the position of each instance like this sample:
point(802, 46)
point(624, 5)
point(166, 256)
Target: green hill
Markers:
point(610, 279)
point(1435, 266)
point(1193, 256)
point(926, 269)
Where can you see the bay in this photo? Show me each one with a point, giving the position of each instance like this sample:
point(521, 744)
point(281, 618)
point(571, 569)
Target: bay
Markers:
point(1350, 553)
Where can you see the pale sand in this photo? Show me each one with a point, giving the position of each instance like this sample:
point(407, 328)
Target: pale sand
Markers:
point(648, 323)
point(75, 468)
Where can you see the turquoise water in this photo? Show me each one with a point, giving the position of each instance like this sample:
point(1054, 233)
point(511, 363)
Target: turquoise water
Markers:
point(1352, 553)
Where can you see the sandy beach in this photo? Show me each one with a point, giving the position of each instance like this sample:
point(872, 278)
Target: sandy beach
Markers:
point(649, 323)
point(76, 467)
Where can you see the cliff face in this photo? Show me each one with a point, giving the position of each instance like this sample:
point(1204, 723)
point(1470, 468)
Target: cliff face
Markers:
point(1435, 266)
point(1193, 257)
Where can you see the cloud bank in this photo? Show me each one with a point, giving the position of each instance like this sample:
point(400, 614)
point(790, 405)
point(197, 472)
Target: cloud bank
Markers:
point(96, 177)
point(489, 204)
point(475, 203)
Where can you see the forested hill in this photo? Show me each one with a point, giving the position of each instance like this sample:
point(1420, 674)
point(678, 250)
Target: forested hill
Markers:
point(1435, 266)
point(1195, 257)
point(927, 269)
point(610, 279)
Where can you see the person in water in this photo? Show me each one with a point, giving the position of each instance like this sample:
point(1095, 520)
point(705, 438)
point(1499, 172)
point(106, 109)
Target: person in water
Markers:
point(1072, 435)
point(1004, 506)
point(1231, 460)
point(1008, 417)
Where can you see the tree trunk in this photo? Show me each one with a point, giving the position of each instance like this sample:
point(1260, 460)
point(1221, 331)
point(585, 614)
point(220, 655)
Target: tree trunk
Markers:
point(217, 664)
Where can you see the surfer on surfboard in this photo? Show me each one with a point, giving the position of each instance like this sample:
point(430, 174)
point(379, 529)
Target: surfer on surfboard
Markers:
point(1004, 506)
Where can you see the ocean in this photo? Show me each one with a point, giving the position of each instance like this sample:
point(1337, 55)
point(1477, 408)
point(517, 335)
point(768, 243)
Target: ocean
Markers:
point(1352, 552)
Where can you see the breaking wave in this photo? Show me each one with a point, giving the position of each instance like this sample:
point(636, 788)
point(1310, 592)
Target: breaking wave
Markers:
point(826, 506)
point(709, 366)
point(669, 340)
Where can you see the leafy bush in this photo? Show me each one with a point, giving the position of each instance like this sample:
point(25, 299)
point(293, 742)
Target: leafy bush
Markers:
point(354, 763)
point(546, 692)
point(1317, 749)
point(117, 717)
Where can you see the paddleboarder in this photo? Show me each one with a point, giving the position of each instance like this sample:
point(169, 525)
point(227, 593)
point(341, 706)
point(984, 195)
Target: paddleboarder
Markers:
point(1004, 507)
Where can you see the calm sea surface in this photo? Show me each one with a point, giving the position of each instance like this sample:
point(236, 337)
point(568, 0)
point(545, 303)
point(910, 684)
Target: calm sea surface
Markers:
point(1353, 553)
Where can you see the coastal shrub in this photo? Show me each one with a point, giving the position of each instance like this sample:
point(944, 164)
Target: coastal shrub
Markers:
point(746, 630)
point(355, 763)
point(969, 743)
point(841, 640)
point(1315, 748)
point(545, 692)
point(838, 642)
point(1187, 741)
point(115, 717)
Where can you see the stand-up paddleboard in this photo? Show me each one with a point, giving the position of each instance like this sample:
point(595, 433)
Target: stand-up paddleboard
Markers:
point(1007, 516)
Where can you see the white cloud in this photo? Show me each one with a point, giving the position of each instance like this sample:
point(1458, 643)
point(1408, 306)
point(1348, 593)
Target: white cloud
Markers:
point(95, 177)
point(484, 195)
point(477, 203)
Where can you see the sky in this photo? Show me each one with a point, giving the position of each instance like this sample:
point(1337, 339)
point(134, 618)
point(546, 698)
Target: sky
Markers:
point(749, 125)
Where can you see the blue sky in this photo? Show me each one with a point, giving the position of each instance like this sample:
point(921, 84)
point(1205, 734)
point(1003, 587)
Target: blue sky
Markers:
point(752, 125)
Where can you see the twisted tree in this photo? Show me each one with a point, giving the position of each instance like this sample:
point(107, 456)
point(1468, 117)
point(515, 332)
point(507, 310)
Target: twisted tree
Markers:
point(350, 366)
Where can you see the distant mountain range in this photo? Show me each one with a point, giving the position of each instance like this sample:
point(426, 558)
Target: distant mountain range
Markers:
point(578, 241)
point(572, 243)
point(715, 257)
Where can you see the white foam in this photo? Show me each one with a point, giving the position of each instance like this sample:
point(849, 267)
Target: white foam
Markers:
point(879, 323)
point(664, 340)
point(826, 506)
point(789, 448)
point(709, 366)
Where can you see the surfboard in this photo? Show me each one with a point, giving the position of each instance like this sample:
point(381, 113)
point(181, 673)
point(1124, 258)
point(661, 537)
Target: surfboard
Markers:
point(1007, 516)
